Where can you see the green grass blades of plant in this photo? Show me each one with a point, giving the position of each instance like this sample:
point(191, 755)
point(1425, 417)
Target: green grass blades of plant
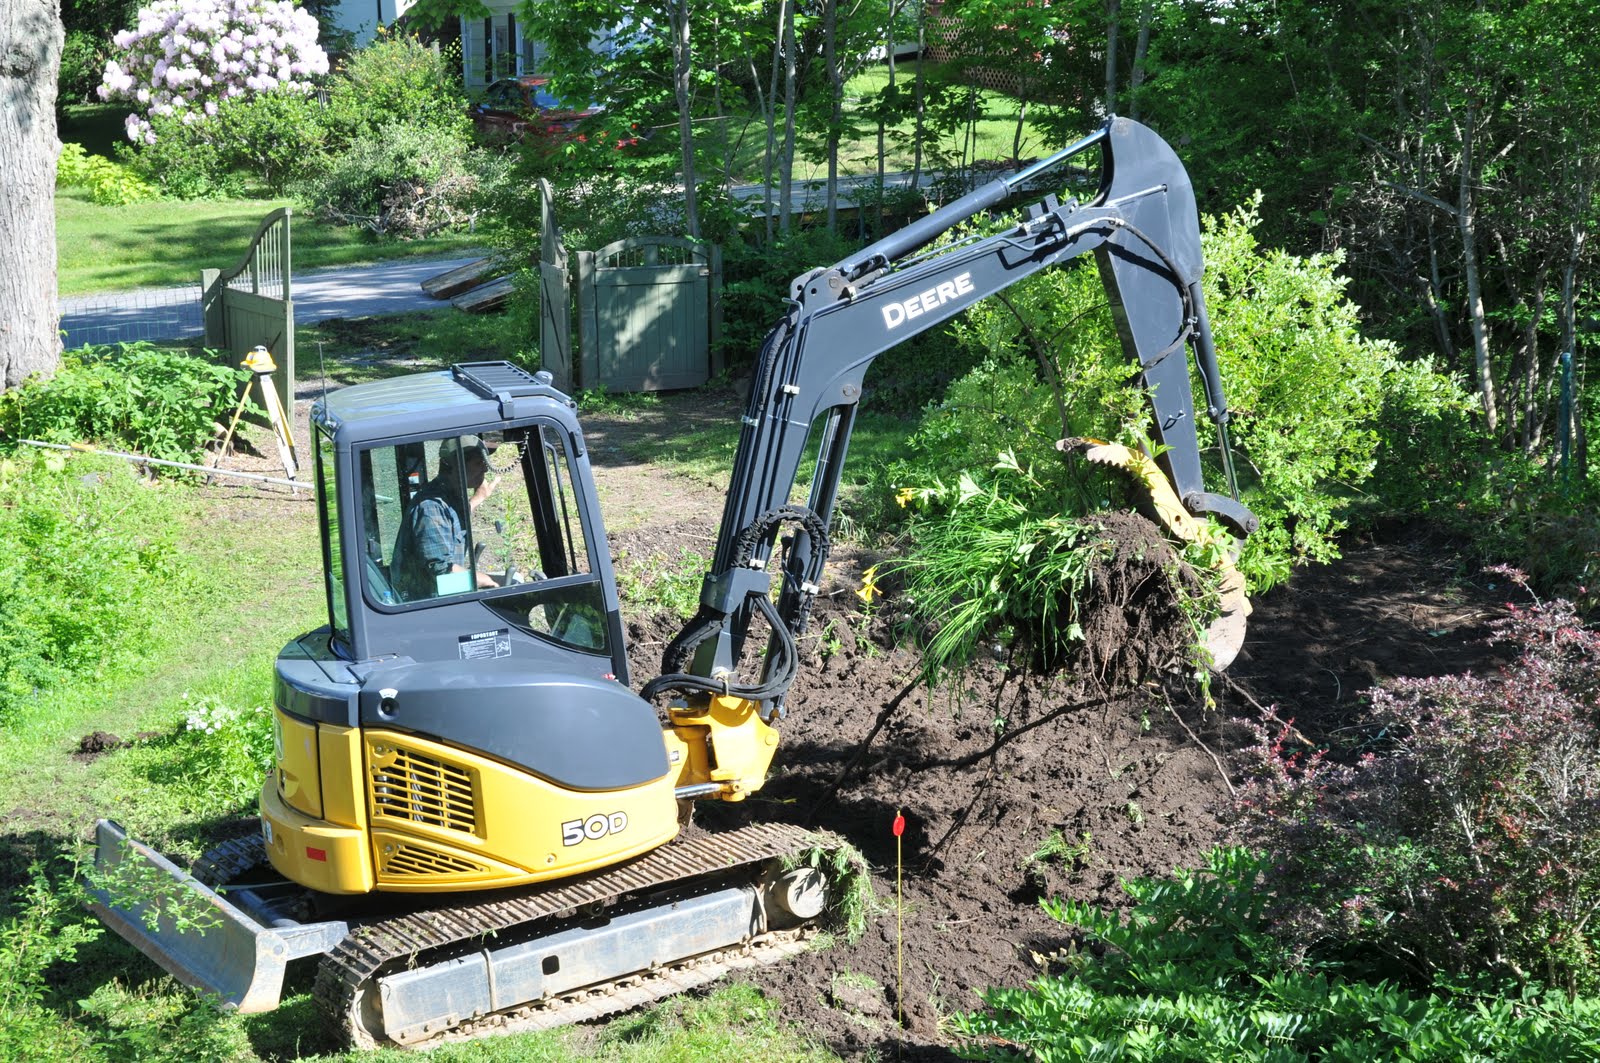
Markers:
point(987, 557)
point(166, 242)
point(158, 402)
point(657, 583)
point(88, 556)
point(1191, 973)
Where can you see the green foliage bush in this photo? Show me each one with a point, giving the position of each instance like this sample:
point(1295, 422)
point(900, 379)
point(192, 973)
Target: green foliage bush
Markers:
point(1192, 972)
point(87, 552)
point(83, 60)
point(1459, 836)
point(161, 403)
point(265, 137)
point(108, 183)
point(1306, 390)
point(210, 763)
point(45, 926)
point(396, 80)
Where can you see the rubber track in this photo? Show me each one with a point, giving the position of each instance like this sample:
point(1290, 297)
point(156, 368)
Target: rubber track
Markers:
point(220, 865)
point(360, 957)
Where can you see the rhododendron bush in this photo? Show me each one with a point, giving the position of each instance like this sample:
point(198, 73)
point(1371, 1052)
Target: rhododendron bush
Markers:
point(184, 57)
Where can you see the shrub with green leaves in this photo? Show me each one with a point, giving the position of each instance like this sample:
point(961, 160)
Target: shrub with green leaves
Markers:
point(267, 137)
point(1459, 837)
point(1304, 385)
point(45, 925)
point(1193, 972)
point(161, 403)
point(396, 79)
point(87, 552)
point(108, 183)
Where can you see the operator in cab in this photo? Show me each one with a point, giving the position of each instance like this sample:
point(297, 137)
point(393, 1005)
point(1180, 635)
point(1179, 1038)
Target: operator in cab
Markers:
point(430, 553)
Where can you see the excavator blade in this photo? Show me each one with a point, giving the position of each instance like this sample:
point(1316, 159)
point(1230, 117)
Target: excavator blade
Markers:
point(1224, 636)
point(202, 938)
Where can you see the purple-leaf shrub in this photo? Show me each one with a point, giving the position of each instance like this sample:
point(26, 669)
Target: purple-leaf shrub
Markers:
point(1462, 835)
point(183, 57)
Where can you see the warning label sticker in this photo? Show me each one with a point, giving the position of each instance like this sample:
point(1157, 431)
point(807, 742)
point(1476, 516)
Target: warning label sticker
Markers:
point(485, 645)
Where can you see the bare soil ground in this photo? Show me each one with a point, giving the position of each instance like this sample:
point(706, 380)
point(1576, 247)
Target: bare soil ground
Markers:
point(987, 770)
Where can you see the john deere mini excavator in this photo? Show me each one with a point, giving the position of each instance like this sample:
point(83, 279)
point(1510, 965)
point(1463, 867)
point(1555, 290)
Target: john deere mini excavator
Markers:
point(474, 822)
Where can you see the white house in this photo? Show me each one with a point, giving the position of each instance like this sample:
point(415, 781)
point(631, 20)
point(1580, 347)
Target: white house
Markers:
point(493, 46)
point(363, 17)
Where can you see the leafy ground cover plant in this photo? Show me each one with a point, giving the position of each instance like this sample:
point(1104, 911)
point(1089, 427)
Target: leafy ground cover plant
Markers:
point(134, 396)
point(86, 553)
point(1193, 972)
point(1459, 837)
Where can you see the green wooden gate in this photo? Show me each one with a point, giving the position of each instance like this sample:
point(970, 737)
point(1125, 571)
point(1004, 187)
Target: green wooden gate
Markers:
point(648, 310)
point(250, 304)
point(555, 303)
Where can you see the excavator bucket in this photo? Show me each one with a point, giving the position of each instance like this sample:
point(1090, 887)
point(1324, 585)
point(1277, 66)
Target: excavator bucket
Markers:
point(1224, 637)
point(203, 939)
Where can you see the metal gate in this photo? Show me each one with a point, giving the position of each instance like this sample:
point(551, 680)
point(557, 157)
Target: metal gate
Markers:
point(648, 310)
point(250, 304)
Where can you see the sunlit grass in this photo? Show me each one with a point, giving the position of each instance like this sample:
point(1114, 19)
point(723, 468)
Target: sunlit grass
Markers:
point(167, 242)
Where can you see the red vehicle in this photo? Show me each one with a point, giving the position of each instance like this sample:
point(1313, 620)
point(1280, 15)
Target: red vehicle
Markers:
point(514, 107)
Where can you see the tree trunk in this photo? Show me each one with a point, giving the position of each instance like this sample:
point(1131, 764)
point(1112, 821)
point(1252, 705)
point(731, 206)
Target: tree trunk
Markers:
point(1140, 49)
point(922, 61)
point(772, 116)
point(30, 56)
point(1113, 17)
point(830, 51)
point(882, 118)
point(680, 85)
point(1466, 221)
point(786, 160)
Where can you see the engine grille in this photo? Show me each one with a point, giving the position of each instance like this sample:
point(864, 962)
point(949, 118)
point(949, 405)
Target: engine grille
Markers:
point(416, 860)
point(407, 785)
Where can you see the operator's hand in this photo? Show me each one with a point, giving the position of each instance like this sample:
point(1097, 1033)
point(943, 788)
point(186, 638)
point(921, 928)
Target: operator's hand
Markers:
point(484, 490)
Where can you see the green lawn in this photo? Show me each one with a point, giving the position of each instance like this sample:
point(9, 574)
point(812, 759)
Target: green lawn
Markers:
point(994, 133)
point(166, 242)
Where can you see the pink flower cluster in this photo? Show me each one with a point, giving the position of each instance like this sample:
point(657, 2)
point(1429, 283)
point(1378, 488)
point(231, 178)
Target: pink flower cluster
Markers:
point(185, 56)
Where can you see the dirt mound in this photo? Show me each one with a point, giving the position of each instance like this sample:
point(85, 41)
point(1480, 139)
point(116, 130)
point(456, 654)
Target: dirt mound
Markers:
point(1014, 786)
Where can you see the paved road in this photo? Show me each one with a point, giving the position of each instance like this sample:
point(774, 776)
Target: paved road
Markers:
point(174, 313)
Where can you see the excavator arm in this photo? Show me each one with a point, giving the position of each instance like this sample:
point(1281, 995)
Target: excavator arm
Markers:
point(1142, 225)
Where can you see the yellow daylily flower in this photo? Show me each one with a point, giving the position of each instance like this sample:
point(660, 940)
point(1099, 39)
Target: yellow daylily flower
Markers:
point(869, 585)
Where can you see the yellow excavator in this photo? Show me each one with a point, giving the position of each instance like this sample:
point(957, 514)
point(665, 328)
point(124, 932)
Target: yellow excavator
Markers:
point(475, 825)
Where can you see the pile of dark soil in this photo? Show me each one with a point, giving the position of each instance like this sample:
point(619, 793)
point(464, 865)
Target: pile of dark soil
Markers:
point(1017, 785)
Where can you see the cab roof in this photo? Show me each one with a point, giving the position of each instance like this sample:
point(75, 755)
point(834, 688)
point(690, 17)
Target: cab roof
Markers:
point(470, 395)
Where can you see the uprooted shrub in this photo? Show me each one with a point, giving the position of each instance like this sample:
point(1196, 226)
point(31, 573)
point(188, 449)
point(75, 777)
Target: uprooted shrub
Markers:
point(997, 563)
point(406, 181)
point(1463, 838)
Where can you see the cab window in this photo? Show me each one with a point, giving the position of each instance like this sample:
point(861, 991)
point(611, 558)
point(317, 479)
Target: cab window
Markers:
point(491, 514)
